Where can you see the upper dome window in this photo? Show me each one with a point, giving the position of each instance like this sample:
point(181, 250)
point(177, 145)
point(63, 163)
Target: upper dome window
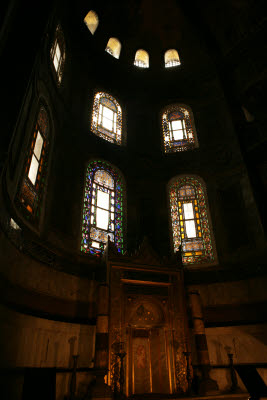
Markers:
point(107, 118)
point(141, 59)
point(114, 47)
point(58, 54)
point(171, 58)
point(91, 21)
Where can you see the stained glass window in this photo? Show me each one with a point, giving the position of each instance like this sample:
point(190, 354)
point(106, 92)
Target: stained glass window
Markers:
point(114, 47)
point(190, 223)
point(178, 129)
point(31, 189)
point(57, 55)
point(107, 118)
point(171, 58)
point(141, 59)
point(102, 209)
point(91, 21)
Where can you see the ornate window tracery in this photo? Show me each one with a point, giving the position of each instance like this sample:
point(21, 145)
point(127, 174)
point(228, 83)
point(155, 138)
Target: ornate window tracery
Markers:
point(103, 208)
point(32, 186)
point(107, 118)
point(114, 47)
point(58, 55)
point(171, 58)
point(91, 20)
point(190, 222)
point(141, 59)
point(179, 133)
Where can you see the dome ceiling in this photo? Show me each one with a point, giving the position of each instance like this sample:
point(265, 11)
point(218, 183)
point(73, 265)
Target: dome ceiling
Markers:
point(148, 24)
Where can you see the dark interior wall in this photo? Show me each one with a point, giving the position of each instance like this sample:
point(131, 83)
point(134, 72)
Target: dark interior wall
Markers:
point(146, 169)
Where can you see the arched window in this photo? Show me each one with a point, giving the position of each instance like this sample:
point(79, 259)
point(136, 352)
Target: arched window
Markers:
point(91, 21)
point(31, 189)
point(103, 208)
point(107, 118)
point(171, 58)
point(190, 222)
point(178, 127)
point(141, 59)
point(58, 54)
point(114, 47)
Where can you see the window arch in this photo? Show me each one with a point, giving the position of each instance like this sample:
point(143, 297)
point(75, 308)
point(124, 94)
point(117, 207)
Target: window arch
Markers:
point(103, 208)
point(114, 47)
point(58, 54)
point(178, 128)
point(190, 222)
point(91, 21)
point(171, 58)
point(107, 118)
point(141, 59)
point(32, 185)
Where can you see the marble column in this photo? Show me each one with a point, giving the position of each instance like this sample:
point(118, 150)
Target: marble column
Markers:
point(101, 390)
point(207, 385)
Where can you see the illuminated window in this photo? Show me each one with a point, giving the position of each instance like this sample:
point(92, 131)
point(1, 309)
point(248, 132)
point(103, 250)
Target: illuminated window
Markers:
point(107, 118)
point(91, 21)
point(178, 129)
point(114, 47)
point(171, 58)
point(141, 59)
point(190, 223)
point(14, 225)
point(103, 208)
point(31, 190)
point(57, 55)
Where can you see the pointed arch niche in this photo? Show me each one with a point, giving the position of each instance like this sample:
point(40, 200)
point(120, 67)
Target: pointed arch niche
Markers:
point(178, 128)
point(91, 20)
point(103, 208)
point(114, 47)
point(107, 118)
point(190, 220)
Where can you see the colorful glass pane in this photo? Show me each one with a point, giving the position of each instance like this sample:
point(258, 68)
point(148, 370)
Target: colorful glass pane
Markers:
point(108, 103)
point(31, 189)
point(178, 131)
point(190, 225)
point(107, 118)
point(103, 208)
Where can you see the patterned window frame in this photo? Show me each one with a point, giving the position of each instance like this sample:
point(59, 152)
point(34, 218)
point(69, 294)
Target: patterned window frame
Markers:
point(60, 42)
point(29, 196)
point(98, 129)
point(90, 232)
point(177, 112)
point(202, 248)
